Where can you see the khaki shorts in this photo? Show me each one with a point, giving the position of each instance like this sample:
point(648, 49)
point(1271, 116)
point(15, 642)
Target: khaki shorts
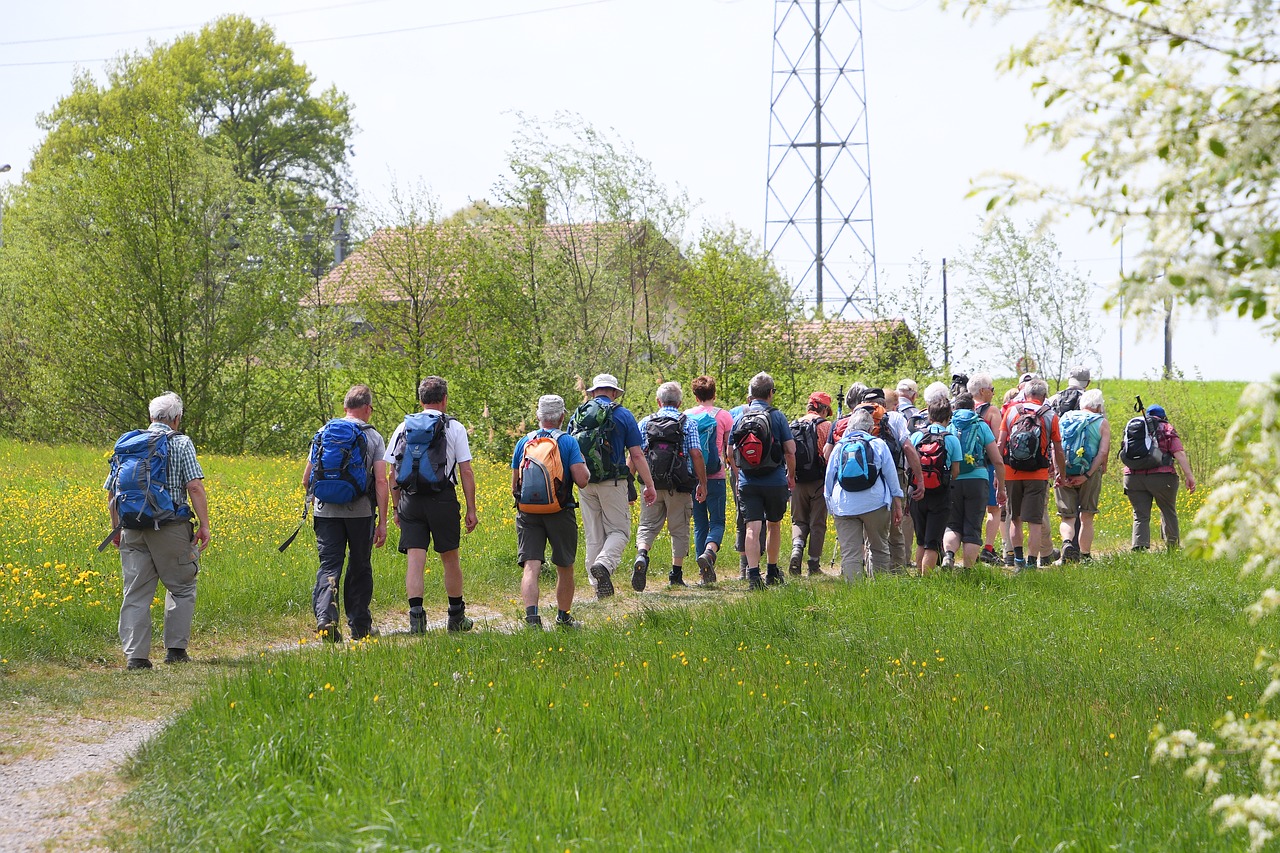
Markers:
point(1027, 499)
point(1083, 499)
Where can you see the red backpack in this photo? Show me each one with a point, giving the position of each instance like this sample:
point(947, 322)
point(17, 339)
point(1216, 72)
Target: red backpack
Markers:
point(933, 460)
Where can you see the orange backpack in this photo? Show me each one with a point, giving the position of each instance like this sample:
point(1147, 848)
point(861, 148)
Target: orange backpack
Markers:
point(542, 477)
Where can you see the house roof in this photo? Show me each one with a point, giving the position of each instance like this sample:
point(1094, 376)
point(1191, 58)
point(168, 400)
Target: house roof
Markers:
point(843, 341)
point(387, 261)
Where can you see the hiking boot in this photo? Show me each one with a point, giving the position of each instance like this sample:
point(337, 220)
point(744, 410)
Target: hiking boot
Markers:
point(329, 632)
point(417, 620)
point(1070, 553)
point(754, 581)
point(137, 663)
point(742, 565)
point(988, 555)
point(534, 621)
point(363, 632)
point(459, 621)
point(1019, 563)
point(604, 583)
point(640, 572)
point(707, 567)
point(797, 560)
point(1138, 549)
point(567, 624)
point(773, 578)
point(815, 568)
point(1009, 558)
point(1054, 556)
point(948, 559)
point(176, 656)
point(676, 578)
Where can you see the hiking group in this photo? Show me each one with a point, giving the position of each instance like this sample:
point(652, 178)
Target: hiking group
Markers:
point(950, 475)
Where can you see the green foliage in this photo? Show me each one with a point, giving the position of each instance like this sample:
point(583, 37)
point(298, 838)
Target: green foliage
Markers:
point(1019, 301)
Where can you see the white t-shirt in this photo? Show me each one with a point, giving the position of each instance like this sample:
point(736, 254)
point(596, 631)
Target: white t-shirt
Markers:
point(457, 448)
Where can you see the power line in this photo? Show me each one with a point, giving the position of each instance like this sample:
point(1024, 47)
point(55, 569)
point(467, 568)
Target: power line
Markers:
point(397, 31)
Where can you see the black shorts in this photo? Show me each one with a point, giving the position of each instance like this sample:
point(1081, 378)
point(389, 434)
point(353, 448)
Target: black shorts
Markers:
point(930, 517)
point(969, 509)
point(763, 503)
point(534, 532)
point(429, 517)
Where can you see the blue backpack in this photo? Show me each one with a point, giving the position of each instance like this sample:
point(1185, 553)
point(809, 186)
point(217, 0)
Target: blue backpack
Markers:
point(421, 458)
point(706, 424)
point(340, 462)
point(140, 479)
point(858, 470)
point(1081, 438)
point(968, 428)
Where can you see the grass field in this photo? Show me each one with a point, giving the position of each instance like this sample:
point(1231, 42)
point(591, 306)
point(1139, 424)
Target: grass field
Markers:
point(962, 711)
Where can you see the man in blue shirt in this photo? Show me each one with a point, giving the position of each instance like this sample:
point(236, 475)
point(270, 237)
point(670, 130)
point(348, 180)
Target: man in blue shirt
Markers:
point(606, 510)
point(766, 461)
point(535, 530)
point(677, 489)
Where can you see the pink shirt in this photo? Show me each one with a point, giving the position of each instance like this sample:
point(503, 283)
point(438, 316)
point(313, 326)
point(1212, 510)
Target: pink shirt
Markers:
point(724, 425)
point(1167, 438)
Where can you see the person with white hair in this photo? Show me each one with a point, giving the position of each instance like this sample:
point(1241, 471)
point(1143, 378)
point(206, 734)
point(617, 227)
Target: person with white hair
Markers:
point(765, 457)
point(864, 497)
point(155, 486)
point(673, 451)
point(936, 391)
point(983, 390)
point(907, 390)
point(1086, 444)
point(545, 467)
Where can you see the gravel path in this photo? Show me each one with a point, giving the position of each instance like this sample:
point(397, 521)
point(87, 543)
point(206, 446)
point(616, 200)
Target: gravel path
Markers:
point(59, 800)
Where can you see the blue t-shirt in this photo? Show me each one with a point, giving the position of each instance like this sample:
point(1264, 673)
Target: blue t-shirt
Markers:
point(949, 440)
point(626, 432)
point(781, 430)
point(570, 452)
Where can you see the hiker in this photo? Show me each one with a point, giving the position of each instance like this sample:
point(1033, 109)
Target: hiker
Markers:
point(940, 456)
point(1086, 443)
point(154, 487)
point(1150, 475)
point(808, 505)
point(936, 391)
point(1068, 399)
point(429, 455)
point(673, 453)
point(907, 390)
point(972, 490)
point(545, 467)
point(609, 438)
point(350, 513)
point(982, 388)
point(863, 495)
point(1030, 442)
point(714, 425)
point(765, 456)
point(739, 519)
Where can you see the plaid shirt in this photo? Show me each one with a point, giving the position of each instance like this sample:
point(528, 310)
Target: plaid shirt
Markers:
point(183, 465)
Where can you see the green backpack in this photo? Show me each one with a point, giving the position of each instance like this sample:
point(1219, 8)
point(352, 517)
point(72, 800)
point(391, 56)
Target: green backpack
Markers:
point(592, 425)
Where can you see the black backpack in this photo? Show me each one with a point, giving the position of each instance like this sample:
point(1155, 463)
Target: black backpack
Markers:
point(1026, 448)
point(809, 464)
point(1067, 400)
point(754, 447)
point(665, 453)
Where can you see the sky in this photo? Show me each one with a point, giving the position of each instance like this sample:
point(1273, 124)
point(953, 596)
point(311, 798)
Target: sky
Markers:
point(436, 87)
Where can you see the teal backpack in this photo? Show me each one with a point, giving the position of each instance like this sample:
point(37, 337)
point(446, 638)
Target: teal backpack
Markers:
point(1081, 438)
point(968, 428)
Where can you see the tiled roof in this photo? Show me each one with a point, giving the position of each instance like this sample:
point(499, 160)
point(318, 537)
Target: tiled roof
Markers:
point(392, 260)
point(847, 342)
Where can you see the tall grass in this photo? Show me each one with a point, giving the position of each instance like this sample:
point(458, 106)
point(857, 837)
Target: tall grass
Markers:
point(966, 712)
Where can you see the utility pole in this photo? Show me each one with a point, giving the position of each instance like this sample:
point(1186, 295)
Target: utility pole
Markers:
point(946, 329)
point(1120, 367)
point(1168, 337)
point(340, 236)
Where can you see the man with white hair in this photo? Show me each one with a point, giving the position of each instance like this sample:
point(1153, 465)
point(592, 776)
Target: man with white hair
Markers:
point(545, 467)
point(609, 437)
point(864, 496)
point(155, 486)
point(673, 452)
point(907, 389)
point(983, 390)
point(1086, 443)
point(1030, 442)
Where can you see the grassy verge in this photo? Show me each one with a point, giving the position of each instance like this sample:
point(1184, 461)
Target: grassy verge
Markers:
point(963, 712)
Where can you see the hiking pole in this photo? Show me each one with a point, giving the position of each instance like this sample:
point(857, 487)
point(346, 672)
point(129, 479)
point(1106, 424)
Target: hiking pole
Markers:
point(306, 504)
